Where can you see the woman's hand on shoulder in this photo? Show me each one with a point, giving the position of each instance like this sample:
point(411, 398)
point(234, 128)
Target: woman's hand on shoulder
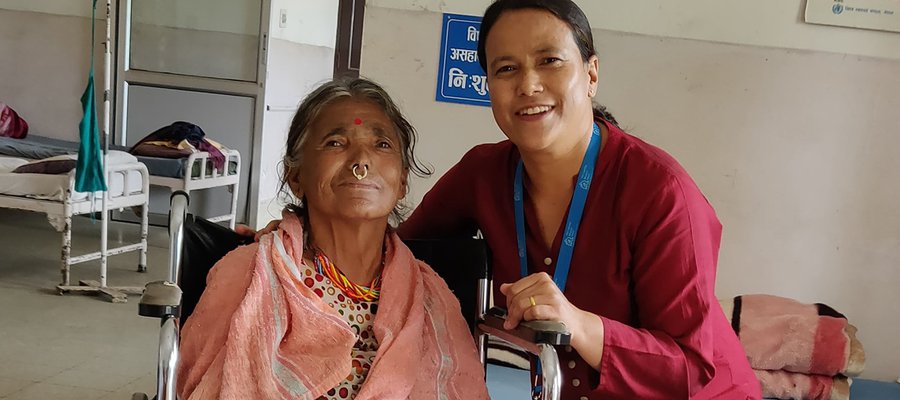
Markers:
point(245, 230)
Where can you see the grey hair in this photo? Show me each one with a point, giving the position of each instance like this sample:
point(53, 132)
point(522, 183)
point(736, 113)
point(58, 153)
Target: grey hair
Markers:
point(357, 88)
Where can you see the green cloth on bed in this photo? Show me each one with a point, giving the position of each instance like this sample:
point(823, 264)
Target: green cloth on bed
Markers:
point(89, 169)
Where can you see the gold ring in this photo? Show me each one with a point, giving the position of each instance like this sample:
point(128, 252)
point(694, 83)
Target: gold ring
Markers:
point(531, 299)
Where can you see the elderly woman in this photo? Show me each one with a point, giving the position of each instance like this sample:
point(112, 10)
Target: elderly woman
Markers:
point(333, 305)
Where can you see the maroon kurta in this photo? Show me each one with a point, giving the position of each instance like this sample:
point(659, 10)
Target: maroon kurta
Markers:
point(644, 260)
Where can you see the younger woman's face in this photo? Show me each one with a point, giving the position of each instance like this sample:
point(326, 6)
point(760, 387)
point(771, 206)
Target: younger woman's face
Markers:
point(540, 87)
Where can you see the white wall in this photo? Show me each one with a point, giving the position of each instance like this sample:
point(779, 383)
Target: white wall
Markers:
point(44, 74)
point(312, 22)
point(794, 148)
point(301, 56)
point(770, 23)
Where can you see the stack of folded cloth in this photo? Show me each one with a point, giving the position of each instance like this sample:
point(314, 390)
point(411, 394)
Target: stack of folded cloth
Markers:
point(798, 351)
point(179, 140)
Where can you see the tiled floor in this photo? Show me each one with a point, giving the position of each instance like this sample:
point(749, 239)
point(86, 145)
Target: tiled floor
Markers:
point(72, 346)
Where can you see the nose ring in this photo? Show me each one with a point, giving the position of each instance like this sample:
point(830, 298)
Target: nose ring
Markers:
point(364, 174)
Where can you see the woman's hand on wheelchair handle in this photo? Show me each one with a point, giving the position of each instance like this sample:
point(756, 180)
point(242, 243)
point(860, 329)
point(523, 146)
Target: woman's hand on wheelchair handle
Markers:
point(536, 297)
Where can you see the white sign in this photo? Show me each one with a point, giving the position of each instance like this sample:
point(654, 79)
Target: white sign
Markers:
point(867, 14)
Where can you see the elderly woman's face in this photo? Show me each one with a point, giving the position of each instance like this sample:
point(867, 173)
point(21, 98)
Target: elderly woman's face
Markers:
point(351, 132)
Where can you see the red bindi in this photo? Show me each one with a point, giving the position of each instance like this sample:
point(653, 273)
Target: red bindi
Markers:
point(357, 121)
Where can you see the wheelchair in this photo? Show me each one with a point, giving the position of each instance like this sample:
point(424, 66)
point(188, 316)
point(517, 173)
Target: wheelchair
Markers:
point(196, 244)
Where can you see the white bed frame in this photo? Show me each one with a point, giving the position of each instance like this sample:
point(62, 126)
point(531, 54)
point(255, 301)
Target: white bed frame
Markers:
point(208, 178)
point(68, 207)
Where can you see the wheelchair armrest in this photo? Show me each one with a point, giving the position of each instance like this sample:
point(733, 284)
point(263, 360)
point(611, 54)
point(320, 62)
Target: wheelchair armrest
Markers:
point(160, 299)
point(528, 334)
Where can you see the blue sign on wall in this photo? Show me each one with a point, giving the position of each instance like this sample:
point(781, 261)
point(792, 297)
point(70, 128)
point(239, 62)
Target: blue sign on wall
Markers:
point(460, 77)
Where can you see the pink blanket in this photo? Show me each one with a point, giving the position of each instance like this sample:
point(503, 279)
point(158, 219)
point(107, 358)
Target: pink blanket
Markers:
point(258, 334)
point(783, 334)
point(790, 385)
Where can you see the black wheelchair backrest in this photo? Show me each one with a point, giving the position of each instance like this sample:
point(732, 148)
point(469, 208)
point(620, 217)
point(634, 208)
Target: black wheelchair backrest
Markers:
point(460, 262)
point(205, 243)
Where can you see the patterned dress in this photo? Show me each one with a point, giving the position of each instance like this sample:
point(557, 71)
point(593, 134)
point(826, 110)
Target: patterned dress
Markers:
point(359, 315)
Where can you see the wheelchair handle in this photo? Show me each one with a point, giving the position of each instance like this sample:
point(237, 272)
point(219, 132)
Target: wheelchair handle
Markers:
point(178, 204)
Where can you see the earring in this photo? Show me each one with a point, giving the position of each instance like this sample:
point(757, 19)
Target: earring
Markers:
point(364, 174)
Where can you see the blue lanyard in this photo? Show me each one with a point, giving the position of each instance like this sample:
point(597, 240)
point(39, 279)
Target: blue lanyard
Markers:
point(576, 209)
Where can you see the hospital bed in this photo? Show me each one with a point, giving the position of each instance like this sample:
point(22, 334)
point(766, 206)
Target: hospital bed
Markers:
point(195, 172)
point(55, 196)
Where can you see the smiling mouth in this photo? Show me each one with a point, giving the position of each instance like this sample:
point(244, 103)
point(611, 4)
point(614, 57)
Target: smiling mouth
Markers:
point(360, 185)
point(536, 110)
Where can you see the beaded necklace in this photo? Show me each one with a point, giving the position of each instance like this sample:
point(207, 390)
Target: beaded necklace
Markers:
point(352, 290)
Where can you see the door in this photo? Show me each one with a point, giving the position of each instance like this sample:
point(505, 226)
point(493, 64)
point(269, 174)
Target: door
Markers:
point(200, 61)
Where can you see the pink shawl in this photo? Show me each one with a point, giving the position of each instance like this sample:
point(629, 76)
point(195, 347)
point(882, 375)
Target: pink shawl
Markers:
point(258, 334)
